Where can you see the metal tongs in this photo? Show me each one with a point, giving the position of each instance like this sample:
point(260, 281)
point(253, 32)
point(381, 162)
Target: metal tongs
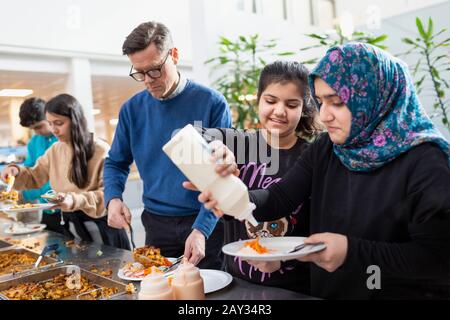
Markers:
point(174, 265)
point(303, 245)
point(130, 229)
point(47, 249)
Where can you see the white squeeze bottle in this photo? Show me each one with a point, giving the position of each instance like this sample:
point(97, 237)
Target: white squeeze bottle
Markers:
point(191, 154)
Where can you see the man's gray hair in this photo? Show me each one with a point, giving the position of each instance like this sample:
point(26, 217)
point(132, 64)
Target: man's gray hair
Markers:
point(146, 34)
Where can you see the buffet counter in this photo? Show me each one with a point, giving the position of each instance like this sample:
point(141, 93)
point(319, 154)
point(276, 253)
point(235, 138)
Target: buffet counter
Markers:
point(106, 261)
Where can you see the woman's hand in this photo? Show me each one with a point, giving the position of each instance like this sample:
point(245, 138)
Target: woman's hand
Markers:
point(225, 165)
point(224, 159)
point(333, 256)
point(9, 171)
point(64, 202)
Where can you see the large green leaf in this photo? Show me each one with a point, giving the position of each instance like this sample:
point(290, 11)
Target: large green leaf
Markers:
point(317, 36)
point(422, 32)
point(379, 39)
point(430, 28)
point(409, 41)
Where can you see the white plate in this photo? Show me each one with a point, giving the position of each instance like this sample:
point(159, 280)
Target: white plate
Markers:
point(38, 206)
point(28, 228)
point(214, 280)
point(122, 276)
point(279, 247)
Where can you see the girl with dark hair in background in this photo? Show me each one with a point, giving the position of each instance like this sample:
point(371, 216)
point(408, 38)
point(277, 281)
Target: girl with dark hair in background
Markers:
point(74, 167)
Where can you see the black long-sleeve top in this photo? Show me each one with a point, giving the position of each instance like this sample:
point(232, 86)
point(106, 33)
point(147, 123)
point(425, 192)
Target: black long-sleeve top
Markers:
point(397, 218)
point(261, 166)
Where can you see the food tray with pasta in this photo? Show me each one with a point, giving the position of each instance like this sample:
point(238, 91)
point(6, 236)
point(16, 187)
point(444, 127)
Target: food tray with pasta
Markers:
point(16, 261)
point(67, 282)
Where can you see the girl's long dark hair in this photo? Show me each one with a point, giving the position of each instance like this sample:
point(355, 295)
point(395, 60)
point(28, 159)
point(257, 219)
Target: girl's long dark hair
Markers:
point(293, 72)
point(81, 139)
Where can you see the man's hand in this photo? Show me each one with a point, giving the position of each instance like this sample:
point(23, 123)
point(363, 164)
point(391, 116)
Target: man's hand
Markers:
point(333, 256)
point(119, 216)
point(194, 248)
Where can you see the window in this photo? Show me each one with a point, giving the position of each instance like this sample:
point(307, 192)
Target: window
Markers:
point(323, 13)
point(276, 9)
point(248, 6)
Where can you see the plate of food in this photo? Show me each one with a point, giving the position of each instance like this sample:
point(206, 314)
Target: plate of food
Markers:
point(51, 196)
point(20, 228)
point(272, 249)
point(145, 259)
point(16, 208)
point(213, 280)
point(136, 271)
point(11, 196)
point(150, 256)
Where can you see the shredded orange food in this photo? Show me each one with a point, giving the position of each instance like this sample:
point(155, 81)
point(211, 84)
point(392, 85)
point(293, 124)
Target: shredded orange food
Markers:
point(255, 245)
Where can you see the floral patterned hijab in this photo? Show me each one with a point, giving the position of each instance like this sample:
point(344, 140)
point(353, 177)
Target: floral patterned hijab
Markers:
point(387, 117)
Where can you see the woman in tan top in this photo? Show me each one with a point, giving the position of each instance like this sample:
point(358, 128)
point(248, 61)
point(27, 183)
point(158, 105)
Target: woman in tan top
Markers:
point(74, 167)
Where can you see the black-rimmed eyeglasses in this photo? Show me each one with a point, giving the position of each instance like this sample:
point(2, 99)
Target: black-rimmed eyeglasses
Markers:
point(153, 73)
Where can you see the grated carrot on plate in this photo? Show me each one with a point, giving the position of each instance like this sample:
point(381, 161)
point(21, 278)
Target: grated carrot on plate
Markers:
point(255, 245)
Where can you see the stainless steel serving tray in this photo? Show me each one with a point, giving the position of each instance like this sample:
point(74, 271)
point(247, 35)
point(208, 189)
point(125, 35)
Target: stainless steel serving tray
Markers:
point(51, 262)
point(5, 245)
point(46, 275)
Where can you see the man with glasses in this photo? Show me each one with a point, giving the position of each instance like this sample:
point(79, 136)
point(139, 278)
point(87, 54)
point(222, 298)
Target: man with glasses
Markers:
point(173, 218)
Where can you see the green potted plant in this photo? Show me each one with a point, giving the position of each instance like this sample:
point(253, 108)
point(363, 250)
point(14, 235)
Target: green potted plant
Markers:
point(328, 40)
point(432, 67)
point(239, 65)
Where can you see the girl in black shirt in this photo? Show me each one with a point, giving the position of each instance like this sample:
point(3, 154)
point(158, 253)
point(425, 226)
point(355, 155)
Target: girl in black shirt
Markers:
point(288, 121)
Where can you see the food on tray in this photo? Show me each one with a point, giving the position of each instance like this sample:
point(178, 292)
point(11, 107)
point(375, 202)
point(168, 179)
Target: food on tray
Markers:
point(73, 245)
point(58, 288)
point(12, 196)
point(103, 272)
point(25, 206)
point(252, 247)
point(150, 256)
point(16, 262)
point(130, 288)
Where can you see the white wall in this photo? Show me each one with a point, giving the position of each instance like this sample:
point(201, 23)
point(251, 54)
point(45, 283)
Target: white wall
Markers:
point(93, 26)
point(388, 8)
point(401, 26)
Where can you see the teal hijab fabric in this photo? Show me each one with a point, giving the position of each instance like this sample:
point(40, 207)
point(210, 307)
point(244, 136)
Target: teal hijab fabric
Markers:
point(387, 117)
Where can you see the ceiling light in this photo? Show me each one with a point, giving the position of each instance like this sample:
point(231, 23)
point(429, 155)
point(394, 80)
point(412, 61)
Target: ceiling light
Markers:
point(96, 112)
point(114, 122)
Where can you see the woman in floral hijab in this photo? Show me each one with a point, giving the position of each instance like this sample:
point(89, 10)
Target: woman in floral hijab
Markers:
point(387, 117)
point(379, 184)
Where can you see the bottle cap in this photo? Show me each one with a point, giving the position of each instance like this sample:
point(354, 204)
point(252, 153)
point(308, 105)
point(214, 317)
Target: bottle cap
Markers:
point(247, 214)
